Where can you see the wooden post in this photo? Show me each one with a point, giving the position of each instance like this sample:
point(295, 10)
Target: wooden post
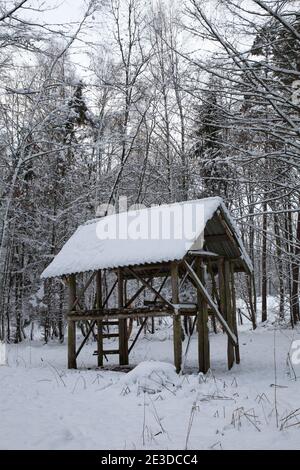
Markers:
point(99, 322)
point(123, 339)
point(72, 324)
point(202, 320)
point(222, 293)
point(177, 341)
point(228, 299)
point(215, 295)
point(234, 319)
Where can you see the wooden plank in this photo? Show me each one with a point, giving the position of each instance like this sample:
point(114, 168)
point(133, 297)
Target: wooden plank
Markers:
point(91, 327)
point(107, 318)
point(137, 293)
point(233, 294)
point(82, 291)
point(230, 346)
point(110, 293)
point(202, 320)
point(204, 254)
point(177, 341)
point(137, 335)
point(99, 302)
point(144, 268)
point(210, 302)
point(216, 238)
point(146, 284)
point(108, 351)
point(228, 231)
point(72, 324)
point(131, 312)
point(215, 294)
point(222, 293)
point(123, 337)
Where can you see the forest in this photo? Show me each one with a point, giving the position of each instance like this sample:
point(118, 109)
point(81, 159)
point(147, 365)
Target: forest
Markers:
point(149, 102)
point(158, 102)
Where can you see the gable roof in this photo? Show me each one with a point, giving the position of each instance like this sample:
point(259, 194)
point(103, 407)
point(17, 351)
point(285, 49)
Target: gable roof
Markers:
point(151, 235)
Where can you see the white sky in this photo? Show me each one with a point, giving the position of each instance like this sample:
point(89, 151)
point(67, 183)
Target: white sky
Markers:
point(61, 11)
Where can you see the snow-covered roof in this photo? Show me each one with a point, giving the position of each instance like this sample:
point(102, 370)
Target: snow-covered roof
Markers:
point(150, 235)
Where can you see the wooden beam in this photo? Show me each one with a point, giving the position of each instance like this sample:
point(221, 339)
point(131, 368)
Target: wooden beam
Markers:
point(125, 316)
point(137, 335)
point(185, 275)
point(82, 291)
point(210, 302)
point(227, 229)
point(230, 346)
point(177, 340)
point(148, 270)
point(72, 324)
point(161, 287)
point(202, 320)
point(123, 337)
point(109, 294)
point(91, 327)
point(233, 294)
point(137, 293)
point(204, 254)
point(216, 238)
point(99, 302)
point(148, 285)
point(222, 292)
point(215, 294)
point(183, 308)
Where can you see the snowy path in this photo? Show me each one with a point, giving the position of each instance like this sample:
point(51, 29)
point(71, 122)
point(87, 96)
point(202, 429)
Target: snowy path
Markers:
point(44, 406)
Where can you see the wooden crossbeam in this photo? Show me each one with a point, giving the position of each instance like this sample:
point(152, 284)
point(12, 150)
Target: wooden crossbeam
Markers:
point(204, 254)
point(91, 327)
point(110, 292)
point(148, 286)
point(82, 291)
point(137, 335)
point(72, 325)
point(210, 302)
point(99, 302)
point(222, 237)
point(161, 287)
point(117, 316)
point(138, 292)
point(185, 276)
point(177, 340)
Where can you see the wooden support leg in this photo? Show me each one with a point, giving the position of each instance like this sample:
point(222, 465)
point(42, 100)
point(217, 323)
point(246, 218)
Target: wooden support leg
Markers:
point(99, 322)
point(72, 324)
point(123, 338)
point(236, 348)
point(222, 293)
point(72, 344)
point(228, 299)
point(177, 340)
point(202, 320)
point(215, 295)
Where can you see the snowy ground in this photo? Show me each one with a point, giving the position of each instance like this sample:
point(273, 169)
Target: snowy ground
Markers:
point(45, 406)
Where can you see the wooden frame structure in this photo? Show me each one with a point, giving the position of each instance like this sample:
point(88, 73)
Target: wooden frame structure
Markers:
point(193, 267)
point(199, 267)
point(208, 263)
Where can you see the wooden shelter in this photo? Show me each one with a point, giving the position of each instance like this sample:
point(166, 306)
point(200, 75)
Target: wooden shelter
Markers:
point(193, 241)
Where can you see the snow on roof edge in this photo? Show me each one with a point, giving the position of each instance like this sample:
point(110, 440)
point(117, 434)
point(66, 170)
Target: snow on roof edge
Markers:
point(244, 255)
point(52, 271)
